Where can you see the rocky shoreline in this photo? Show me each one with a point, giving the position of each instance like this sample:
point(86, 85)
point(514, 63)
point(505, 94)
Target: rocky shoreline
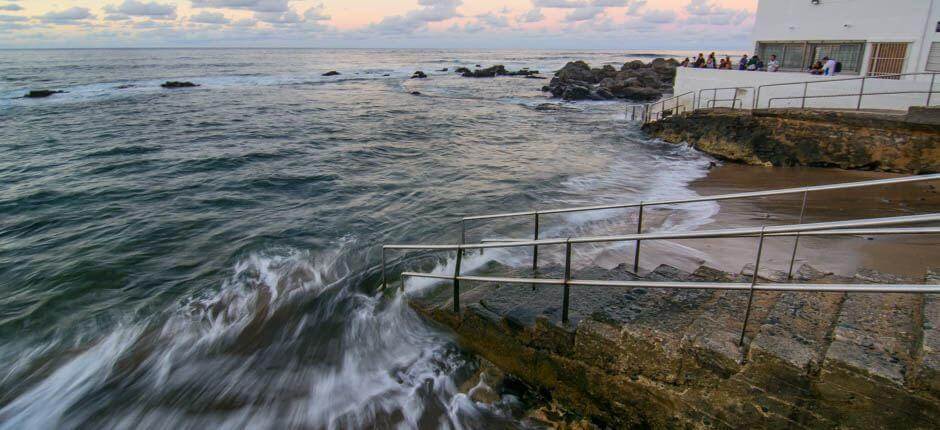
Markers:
point(635, 80)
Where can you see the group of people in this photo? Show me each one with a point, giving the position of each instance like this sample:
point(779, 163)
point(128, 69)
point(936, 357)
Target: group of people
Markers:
point(753, 63)
point(827, 66)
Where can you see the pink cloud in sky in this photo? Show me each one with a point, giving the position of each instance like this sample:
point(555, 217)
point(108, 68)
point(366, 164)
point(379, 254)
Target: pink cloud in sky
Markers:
point(443, 23)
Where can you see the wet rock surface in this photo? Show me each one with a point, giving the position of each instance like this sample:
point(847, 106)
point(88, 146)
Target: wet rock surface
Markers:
point(633, 81)
point(177, 84)
point(494, 71)
point(38, 94)
point(786, 137)
point(661, 358)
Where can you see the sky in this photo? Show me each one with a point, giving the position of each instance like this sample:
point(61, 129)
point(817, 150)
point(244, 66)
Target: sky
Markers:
point(513, 24)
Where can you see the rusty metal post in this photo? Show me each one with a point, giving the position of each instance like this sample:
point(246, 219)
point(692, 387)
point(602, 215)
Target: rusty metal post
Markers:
point(750, 298)
point(803, 103)
point(861, 92)
point(639, 230)
point(796, 241)
point(933, 78)
point(566, 300)
point(535, 250)
point(384, 276)
point(457, 282)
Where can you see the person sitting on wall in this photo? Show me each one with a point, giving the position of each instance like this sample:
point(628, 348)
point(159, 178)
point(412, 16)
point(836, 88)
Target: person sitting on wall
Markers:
point(816, 68)
point(829, 66)
point(684, 63)
point(773, 65)
point(755, 63)
point(742, 65)
point(722, 64)
point(728, 63)
point(700, 61)
point(710, 63)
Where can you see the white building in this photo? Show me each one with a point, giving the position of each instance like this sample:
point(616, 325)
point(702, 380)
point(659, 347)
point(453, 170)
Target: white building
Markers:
point(869, 38)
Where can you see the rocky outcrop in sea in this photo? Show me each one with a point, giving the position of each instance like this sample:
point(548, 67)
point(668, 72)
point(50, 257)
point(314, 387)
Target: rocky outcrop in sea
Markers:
point(636, 80)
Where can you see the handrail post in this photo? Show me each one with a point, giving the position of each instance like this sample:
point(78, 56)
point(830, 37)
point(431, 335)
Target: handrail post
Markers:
point(796, 241)
point(535, 251)
point(639, 230)
point(384, 276)
point(933, 77)
point(715, 96)
point(756, 98)
point(463, 231)
point(861, 92)
point(457, 281)
point(566, 299)
point(750, 298)
point(803, 103)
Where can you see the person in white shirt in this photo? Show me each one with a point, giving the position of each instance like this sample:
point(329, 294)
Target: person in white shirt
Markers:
point(773, 65)
point(829, 66)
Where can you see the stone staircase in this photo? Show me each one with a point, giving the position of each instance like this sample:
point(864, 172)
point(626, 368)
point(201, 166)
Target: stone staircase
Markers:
point(642, 357)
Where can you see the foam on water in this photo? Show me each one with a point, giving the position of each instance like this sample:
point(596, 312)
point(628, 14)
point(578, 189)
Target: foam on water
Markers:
point(211, 260)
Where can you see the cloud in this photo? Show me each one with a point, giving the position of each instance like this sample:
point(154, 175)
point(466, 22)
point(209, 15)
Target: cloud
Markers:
point(493, 20)
point(67, 16)
point(11, 18)
point(245, 23)
point(288, 17)
point(152, 10)
point(206, 17)
point(584, 14)
point(11, 7)
point(706, 12)
point(634, 6)
point(610, 3)
point(659, 16)
point(533, 15)
point(559, 4)
point(269, 6)
point(116, 17)
point(416, 20)
point(316, 13)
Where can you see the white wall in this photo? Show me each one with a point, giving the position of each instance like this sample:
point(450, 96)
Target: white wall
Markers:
point(688, 79)
point(864, 20)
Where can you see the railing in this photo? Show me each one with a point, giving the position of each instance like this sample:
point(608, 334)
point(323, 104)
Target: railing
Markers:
point(640, 206)
point(650, 112)
point(875, 226)
point(714, 100)
point(860, 94)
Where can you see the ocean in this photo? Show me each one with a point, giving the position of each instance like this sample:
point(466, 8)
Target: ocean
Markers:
point(209, 257)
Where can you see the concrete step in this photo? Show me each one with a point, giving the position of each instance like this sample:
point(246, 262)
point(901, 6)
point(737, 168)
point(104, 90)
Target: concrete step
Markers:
point(715, 335)
point(871, 359)
point(928, 373)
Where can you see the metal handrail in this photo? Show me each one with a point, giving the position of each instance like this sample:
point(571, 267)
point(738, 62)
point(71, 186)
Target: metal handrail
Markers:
point(858, 107)
point(642, 205)
point(650, 113)
point(715, 94)
point(860, 95)
point(853, 227)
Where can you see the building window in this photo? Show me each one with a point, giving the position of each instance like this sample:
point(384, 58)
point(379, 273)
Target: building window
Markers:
point(790, 55)
point(933, 58)
point(849, 54)
point(887, 59)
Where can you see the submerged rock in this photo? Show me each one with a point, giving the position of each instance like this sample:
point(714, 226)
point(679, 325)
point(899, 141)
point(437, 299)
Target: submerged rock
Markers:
point(178, 84)
point(38, 94)
point(462, 70)
point(419, 75)
point(634, 81)
point(331, 73)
